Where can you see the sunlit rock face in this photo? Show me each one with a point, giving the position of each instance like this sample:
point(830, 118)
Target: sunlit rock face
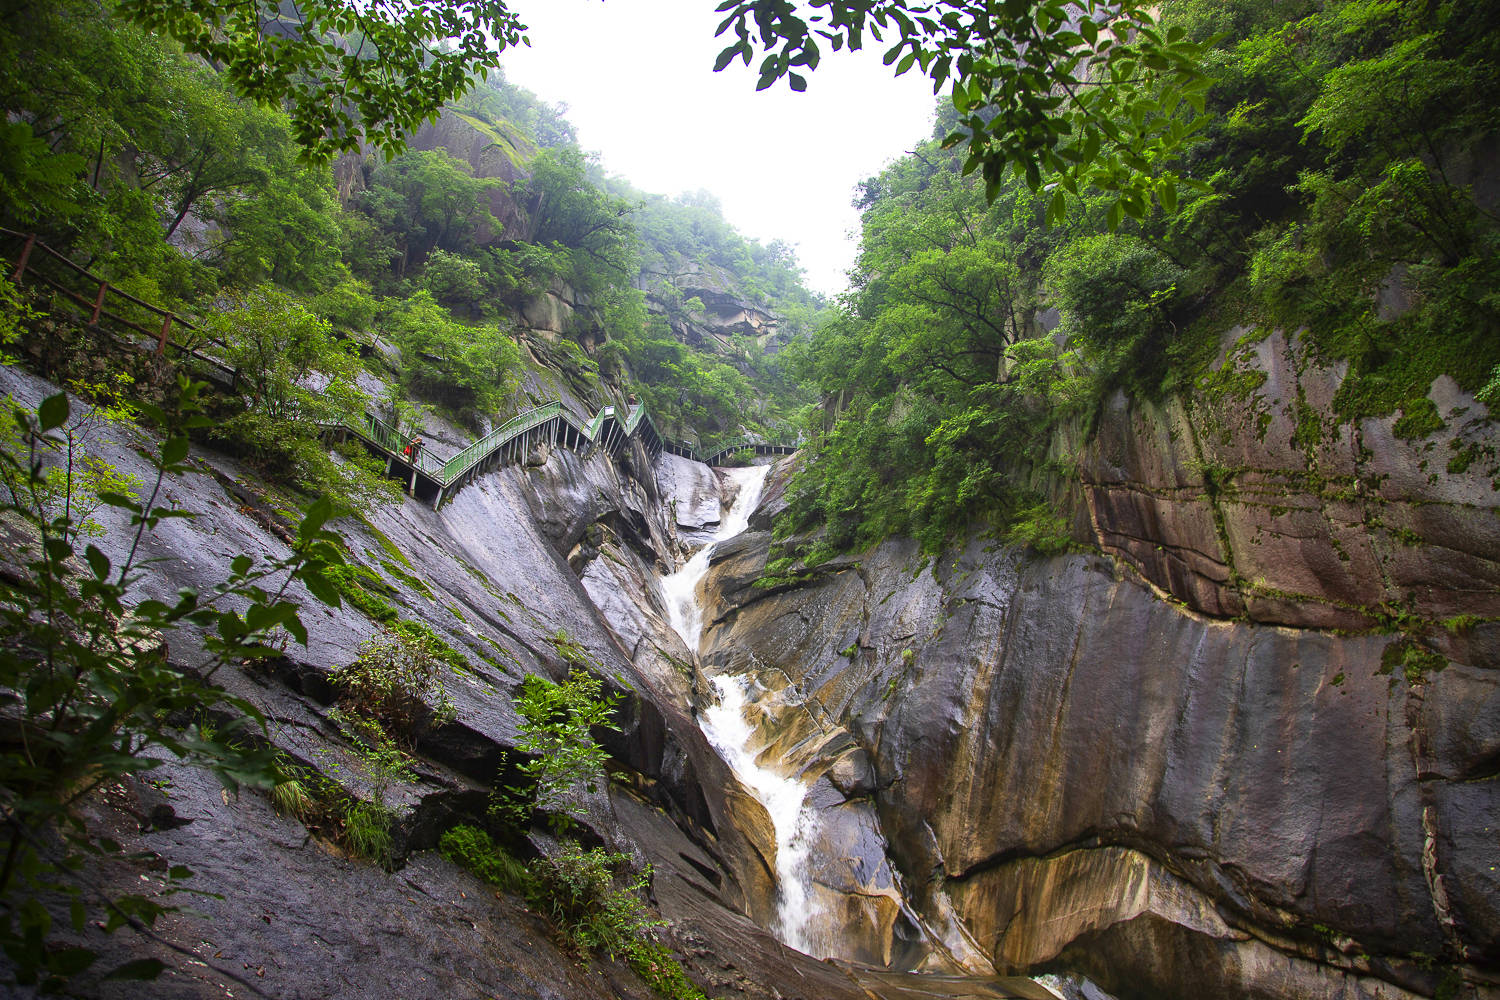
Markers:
point(1091, 776)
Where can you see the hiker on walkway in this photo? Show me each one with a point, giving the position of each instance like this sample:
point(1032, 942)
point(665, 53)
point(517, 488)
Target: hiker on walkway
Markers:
point(413, 447)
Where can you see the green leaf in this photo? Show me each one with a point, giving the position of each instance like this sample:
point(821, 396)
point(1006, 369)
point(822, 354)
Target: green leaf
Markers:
point(1166, 191)
point(798, 83)
point(174, 450)
point(98, 562)
point(1115, 216)
point(53, 412)
point(314, 516)
point(69, 962)
point(1057, 208)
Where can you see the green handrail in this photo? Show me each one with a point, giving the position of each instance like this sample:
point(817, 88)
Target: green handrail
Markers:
point(445, 474)
point(496, 439)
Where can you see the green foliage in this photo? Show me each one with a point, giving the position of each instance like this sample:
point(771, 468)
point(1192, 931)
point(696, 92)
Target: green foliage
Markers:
point(363, 588)
point(1112, 288)
point(476, 851)
point(392, 680)
point(65, 483)
point(1346, 135)
point(428, 200)
point(37, 182)
point(1419, 418)
point(1040, 528)
point(363, 827)
point(1412, 658)
point(87, 679)
point(1093, 94)
point(740, 458)
point(367, 829)
point(348, 304)
point(562, 758)
point(471, 370)
point(587, 230)
point(290, 367)
point(294, 377)
point(595, 898)
point(320, 58)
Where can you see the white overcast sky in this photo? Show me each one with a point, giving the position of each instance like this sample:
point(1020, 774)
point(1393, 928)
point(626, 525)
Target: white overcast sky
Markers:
point(637, 76)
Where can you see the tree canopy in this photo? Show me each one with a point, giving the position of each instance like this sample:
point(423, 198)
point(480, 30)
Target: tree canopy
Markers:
point(349, 72)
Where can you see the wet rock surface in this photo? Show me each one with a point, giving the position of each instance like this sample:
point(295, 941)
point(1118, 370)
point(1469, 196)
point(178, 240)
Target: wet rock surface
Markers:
point(1253, 500)
point(491, 575)
point(1021, 763)
point(1092, 776)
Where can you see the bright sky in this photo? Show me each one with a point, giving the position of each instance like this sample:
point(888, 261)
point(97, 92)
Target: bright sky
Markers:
point(637, 76)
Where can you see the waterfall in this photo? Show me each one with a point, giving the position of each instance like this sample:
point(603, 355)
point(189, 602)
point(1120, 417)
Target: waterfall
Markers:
point(731, 734)
point(684, 609)
point(784, 798)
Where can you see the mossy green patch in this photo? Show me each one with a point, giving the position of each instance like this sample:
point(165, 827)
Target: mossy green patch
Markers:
point(516, 147)
point(367, 591)
point(1419, 418)
point(414, 582)
point(1415, 660)
point(1463, 457)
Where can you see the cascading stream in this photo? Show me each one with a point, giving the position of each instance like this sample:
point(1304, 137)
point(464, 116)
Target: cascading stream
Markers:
point(731, 734)
point(801, 920)
point(684, 609)
point(784, 798)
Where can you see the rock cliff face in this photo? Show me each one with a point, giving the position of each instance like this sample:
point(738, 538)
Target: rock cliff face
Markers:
point(1252, 501)
point(1160, 764)
point(726, 311)
point(1166, 768)
point(504, 575)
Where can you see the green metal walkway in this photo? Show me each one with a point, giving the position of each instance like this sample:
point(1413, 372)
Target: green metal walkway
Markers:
point(427, 477)
point(435, 480)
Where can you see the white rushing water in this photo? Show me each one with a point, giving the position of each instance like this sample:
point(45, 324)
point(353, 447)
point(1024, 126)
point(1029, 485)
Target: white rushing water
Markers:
point(727, 729)
point(684, 610)
point(731, 734)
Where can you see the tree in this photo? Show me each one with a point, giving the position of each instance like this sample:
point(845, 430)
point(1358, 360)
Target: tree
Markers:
point(1090, 93)
point(589, 230)
point(348, 72)
point(470, 369)
point(430, 200)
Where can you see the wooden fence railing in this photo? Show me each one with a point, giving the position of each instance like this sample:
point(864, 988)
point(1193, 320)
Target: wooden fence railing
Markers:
point(38, 263)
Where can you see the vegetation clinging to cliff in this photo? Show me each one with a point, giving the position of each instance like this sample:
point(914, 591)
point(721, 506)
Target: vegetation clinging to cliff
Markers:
point(213, 200)
point(1349, 170)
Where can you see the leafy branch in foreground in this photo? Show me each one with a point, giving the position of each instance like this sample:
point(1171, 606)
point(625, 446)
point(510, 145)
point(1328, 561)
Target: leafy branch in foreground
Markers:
point(87, 694)
point(1093, 94)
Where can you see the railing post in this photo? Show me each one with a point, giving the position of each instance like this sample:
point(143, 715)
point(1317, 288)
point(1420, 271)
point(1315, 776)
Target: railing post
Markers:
point(161, 342)
point(25, 256)
point(98, 303)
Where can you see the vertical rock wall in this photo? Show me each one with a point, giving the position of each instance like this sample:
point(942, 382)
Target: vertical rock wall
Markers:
point(1254, 753)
